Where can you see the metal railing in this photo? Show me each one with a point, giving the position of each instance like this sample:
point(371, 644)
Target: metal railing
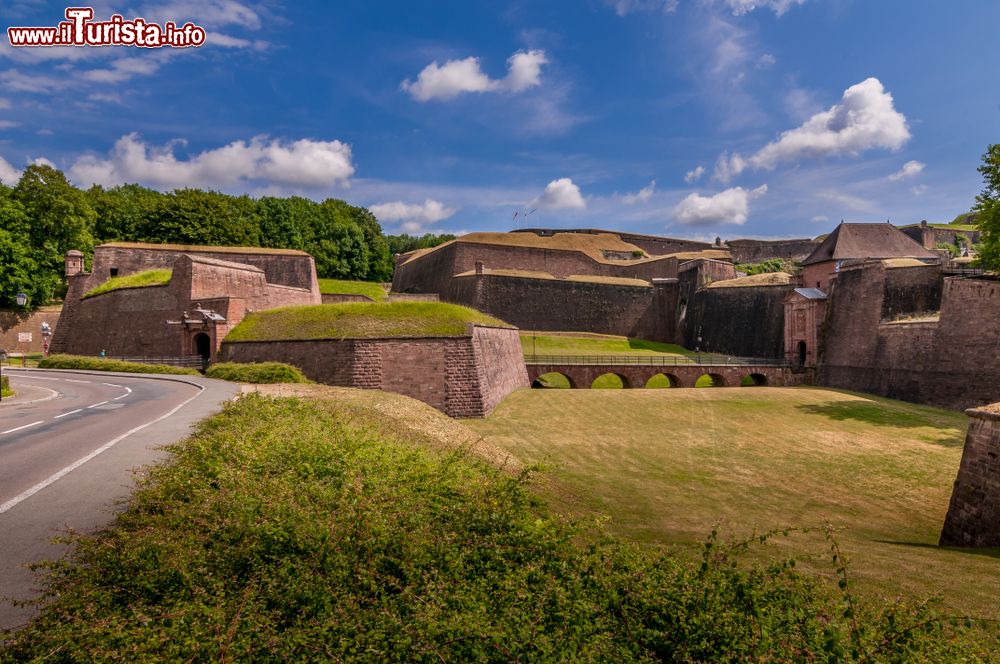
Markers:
point(703, 359)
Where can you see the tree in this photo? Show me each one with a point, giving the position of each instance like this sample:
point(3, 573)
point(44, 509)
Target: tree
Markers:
point(988, 208)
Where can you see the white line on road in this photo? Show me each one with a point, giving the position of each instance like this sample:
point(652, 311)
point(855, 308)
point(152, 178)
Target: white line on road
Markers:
point(98, 404)
point(70, 380)
point(20, 375)
point(110, 384)
point(128, 391)
point(33, 424)
point(76, 464)
point(72, 412)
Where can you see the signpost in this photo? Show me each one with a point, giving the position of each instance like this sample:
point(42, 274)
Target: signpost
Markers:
point(24, 338)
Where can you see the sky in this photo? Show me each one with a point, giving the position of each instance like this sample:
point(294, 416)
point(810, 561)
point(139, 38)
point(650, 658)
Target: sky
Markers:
point(685, 118)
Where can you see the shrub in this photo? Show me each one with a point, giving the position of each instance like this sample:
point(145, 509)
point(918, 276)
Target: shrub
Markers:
point(105, 364)
point(5, 387)
point(262, 372)
point(291, 530)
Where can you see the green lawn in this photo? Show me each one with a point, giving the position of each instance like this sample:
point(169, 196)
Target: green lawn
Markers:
point(137, 280)
point(359, 320)
point(585, 343)
point(371, 289)
point(665, 465)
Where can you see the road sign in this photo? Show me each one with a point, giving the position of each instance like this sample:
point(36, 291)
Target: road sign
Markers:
point(24, 337)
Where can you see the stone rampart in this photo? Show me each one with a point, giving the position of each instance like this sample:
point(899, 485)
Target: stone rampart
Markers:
point(746, 321)
point(756, 251)
point(465, 376)
point(14, 322)
point(974, 511)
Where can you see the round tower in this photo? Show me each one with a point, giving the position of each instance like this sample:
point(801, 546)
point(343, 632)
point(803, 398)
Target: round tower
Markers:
point(74, 263)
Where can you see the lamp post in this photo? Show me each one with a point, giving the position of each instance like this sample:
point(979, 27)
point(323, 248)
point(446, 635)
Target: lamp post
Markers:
point(22, 299)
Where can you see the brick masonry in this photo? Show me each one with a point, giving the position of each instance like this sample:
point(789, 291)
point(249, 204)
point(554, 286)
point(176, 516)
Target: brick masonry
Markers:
point(974, 512)
point(636, 376)
point(465, 376)
point(13, 322)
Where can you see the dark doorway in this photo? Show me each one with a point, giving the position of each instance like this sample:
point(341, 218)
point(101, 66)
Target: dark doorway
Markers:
point(203, 346)
point(802, 353)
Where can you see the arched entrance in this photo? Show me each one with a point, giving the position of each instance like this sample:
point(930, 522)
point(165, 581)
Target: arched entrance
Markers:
point(610, 381)
point(754, 380)
point(552, 380)
point(203, 346)
point(802, 353)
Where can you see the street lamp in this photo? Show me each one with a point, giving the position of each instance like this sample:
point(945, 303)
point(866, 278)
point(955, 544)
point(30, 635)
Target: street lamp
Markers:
point(21, 299)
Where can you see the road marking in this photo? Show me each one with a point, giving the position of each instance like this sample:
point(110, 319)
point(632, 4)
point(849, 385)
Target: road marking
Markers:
point(98, 404)
point(33, 424)
point(110, 384)
point(70, 380)
point(128, 391)
point(20, 375)
point(76, 464)
point(72, 412)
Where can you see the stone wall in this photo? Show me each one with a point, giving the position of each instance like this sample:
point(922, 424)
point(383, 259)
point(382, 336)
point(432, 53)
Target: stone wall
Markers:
point(13, 322)
point(464, 376)
point(929, 236)
point(746, 321)
point(974, 512)
point(756, 251)
point(341, 298)
point(653, 245)
point(949, 361)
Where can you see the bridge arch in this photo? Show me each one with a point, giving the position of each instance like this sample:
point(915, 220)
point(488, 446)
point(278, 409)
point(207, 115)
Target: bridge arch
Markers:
point(610, 381)
point(663, 380)
point(553, 380)
point(754, 380)
point(710, 380)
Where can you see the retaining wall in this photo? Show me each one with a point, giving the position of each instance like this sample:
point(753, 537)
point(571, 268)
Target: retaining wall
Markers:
point(974, 511)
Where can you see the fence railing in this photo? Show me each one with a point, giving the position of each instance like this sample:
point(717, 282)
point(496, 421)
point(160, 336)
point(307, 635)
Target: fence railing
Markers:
point(192, 361)
point(703, 359)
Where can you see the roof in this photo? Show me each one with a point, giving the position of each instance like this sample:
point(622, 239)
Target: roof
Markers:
point(811, 293)
point(188, 248)
point(860, 241)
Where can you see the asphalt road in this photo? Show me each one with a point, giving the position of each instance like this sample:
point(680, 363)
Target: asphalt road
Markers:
point(69, 444)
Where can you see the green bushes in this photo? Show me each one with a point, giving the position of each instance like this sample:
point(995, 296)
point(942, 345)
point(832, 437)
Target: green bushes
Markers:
point(291, 530)
point(104, 364)
point(5, 387)
point(262, 372)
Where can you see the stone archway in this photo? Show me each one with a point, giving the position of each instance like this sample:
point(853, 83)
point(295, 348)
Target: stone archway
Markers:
point(201, 344)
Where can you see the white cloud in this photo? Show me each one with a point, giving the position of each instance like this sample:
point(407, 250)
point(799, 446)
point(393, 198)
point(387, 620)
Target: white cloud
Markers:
point(561, 194)
point(14, 81)
point(8, 174)
point(918, 190)
point(623, 7)
point(8, 124)
point(455, 77)
point(693, 176)
point(4, 103)
point(228, 41)
point(731, 206)
point(779, 7)
point(303, 163)
point(414, 215)
point(909, 170)
point(122, 70)
point(641, 196)
point(207, 13)
point(766, 61)
point(820, 218)
point(864, 119)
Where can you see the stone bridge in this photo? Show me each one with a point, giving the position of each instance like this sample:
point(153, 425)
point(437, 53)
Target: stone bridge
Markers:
point(636, 371)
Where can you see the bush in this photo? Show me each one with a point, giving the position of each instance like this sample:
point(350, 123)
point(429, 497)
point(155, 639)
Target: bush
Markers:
point(5, 387)
point(291, 530)
point(105, 364)
point(262, 372)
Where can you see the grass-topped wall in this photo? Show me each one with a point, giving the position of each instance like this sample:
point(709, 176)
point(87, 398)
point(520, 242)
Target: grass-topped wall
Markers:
point(360, 321)
point(136, 280)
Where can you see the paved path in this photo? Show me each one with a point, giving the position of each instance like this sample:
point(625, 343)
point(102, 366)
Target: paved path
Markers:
point(68, 445)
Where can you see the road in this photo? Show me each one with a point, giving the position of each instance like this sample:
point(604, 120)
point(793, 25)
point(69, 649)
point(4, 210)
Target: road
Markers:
point(68, 446)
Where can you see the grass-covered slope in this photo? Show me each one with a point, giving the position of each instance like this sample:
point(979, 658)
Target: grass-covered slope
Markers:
point(136, 280)
point(343, 287)
point(359, 320)
point(585, 343)
point(324, 530)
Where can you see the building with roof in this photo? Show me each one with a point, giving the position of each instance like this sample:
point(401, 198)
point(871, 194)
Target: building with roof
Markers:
point(159, 300)
point(853, 243)
point(805, 309)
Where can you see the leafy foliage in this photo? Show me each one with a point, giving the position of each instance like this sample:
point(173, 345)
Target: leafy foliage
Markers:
point(105, 364)
point(5, 387)
point(258, 373)
point(288, 530)
point(402, 244)
point(768, 266)
point(987, 208)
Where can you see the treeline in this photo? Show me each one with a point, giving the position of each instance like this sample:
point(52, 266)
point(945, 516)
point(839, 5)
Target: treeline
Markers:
point(44, 215)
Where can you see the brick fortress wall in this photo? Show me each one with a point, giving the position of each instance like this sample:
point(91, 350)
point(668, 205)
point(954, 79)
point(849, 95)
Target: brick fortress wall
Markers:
point(951, 361)
point(747, 321)
point(463, 376)
point(756, 251)
point(13, 322)
point(974, 511)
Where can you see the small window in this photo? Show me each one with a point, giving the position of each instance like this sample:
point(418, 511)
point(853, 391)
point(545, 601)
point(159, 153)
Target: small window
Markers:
point(114, 272)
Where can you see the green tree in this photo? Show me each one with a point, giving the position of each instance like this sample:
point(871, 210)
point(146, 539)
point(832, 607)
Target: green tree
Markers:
point(988, 208)
point(61, 217)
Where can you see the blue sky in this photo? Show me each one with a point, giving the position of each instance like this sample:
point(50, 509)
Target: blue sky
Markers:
point(690, 118)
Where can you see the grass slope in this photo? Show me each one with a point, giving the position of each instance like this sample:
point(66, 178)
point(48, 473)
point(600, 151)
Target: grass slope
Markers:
point(583, 343)
point(343, 287)
point(328, 530)
point(359, 320)
point(663, 463)
point(137, 280)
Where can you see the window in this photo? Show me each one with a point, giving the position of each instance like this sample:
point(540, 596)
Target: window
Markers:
point(114, 272)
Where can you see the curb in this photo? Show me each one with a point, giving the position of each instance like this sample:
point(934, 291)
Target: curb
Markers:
point(187, 380)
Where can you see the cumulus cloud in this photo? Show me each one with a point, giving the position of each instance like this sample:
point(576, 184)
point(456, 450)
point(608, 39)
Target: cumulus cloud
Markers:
point(561, 194)
point(641, 196)
point(918, 190)
point(122, 70)
point(820, 218)
point(303, 163)
point(779, 7)
point(209, 13)
point(455, 77)
point(8, 174)
point(693, 176)
point(731, 206)
point(909, 170)
point(413, 215)
point(864, 119)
